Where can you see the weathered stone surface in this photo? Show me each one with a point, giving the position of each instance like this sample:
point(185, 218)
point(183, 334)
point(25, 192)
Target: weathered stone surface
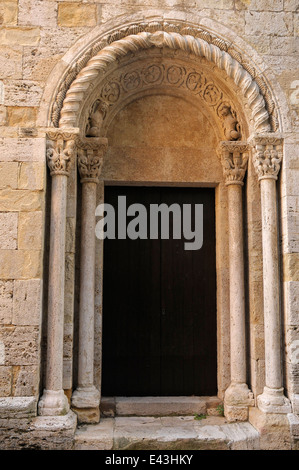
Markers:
point(17, 407)
point(20, 200)
point(9, 175)
point(32, 175)
point(22, 149)
point(9, 12)
point(21, 116)
point(30, 230)
point(27, 302)
point(180, 433)
point(6, 302)
point(25, 36)
point(11, 61)
point(38, 13)
point(20, 264)
point(8, 230)
point(274, 429)
point(21, 344)
point(76, 14)
point(5, 381)
point(22, 93)
point(25, 381)
point(290, 267)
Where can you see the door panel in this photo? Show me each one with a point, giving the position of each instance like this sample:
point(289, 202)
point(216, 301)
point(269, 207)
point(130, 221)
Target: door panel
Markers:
point(159, 305)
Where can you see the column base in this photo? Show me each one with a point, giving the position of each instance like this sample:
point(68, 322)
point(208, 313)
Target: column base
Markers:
point(237, 400)
point(274, 429)
point(53, 403)
point(86, 404)
point(272, 400)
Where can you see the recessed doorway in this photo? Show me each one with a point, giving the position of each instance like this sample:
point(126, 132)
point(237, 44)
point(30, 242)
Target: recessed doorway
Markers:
point(159, 304)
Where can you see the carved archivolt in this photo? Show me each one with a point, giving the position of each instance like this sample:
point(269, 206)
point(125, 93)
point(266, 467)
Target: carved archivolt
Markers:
point(127, 81)
point(144, 36)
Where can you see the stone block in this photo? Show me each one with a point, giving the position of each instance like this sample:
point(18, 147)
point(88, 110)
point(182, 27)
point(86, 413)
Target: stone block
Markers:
point(11, 62)
point(20, 200)
point(5, 381)
point(257, 5)
point(20, 264)
point(9, 175)
point(32, 175)
point(270, 23)
point(87, 437)
point(274, 429)
point(8, 230)
point(22, 93)
point(21, 116)
point(25, 381)
point(6, 301)
point(30, 233)
point(291, 299)
point(291, 267)
point(38, 13)
point(22, 149)
point(18, 407)
point(9, 12)
point(21, 345)
point(73, 14)
point(27, 302)
point(21, 36)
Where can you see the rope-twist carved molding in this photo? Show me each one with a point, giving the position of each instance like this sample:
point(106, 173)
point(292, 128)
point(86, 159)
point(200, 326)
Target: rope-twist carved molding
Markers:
point(200, 43)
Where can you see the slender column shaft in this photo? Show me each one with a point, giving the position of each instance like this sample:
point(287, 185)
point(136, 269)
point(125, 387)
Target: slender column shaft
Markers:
point(87, 286)
point(234, 156)
point(86, 398)
point(271, 284)
point(236, 274)
point(56, 284)
point(267, 157)
point(60, 151)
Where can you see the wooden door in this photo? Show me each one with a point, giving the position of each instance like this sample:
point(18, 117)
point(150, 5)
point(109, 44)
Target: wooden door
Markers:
point(159, 305)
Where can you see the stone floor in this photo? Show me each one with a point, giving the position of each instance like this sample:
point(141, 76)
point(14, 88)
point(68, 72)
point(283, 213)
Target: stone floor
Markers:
point(166, 433)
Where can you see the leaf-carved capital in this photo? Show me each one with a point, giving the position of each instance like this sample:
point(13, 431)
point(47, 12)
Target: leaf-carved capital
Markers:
point(91, 151)
point(267, 155)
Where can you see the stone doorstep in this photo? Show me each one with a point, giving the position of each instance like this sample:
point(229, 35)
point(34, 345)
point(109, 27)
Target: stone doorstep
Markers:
point(167, 433)
point(159, 406)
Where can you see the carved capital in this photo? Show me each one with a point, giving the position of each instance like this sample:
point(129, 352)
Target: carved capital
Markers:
point(267, 155)
point(91, 152)
point(234, 157)
point(61, 150)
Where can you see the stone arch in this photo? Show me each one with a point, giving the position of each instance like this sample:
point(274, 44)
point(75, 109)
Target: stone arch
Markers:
point(78, 80)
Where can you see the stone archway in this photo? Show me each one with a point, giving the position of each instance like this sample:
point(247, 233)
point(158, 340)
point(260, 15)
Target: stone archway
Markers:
point(83, 103)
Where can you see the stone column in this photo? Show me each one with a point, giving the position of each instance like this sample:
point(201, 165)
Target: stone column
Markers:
point(267, 156)
point(60, 154)
point(86, 398)
point(237, 399)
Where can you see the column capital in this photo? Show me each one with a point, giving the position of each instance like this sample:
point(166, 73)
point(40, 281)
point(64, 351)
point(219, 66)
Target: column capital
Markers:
point(267, 155)
point(91, 152)
point(61, 148)
point(234, 157)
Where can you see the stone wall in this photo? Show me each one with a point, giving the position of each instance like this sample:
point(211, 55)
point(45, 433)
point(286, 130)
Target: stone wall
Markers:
point(35, 39)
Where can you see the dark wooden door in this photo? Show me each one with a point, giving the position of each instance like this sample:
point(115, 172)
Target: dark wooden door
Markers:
point(159, 305)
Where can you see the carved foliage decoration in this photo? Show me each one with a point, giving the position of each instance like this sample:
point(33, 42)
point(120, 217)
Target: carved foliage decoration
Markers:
point(234, 158)
point(61, 149)
point(267, 156)
point(174, 36)
point(90, 158)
